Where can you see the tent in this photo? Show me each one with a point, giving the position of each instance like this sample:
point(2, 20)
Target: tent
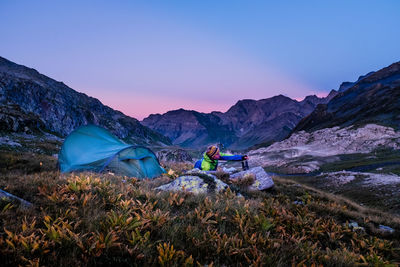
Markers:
point(93, 148)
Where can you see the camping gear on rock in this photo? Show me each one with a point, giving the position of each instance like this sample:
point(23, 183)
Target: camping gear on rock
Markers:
point(92, 148)
point(245, 165)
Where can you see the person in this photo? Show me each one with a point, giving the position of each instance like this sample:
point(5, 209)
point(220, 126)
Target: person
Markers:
point(209, 162)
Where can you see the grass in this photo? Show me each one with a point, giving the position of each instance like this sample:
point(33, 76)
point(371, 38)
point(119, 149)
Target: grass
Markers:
point(38, 144)
point(383, 198)
point(378, 157)
point(101, 219)
point(26, 162)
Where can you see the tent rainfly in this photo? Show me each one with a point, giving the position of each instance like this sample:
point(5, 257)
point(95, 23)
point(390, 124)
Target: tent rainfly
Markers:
point(93, 148)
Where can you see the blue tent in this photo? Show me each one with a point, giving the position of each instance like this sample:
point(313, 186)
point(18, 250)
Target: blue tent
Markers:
point(93, 148)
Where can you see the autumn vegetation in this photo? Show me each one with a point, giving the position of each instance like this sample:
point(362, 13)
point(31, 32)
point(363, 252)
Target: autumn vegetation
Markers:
point(87, 219)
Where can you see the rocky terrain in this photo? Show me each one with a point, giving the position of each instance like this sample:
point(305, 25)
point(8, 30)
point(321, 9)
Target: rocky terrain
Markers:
point(375, 98)
point(362, 164)
point(306, 152)
point(245, 124)
point(39, 102)
point(14, 119)
point(174, 155)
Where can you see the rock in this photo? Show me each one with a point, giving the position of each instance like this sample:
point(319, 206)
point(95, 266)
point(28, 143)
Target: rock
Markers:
point(338, 178)
point(15, 120)
point(8, 142)
point(174, 155)
point(11, 197)
point(207, 183)
point(262, 179)
point(386, 229)
point(229, 170)
point(196, 171)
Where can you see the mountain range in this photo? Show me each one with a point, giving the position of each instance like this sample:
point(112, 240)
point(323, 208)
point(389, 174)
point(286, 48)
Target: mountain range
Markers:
point(247, 123)
point(373, 98)
point(32, 103)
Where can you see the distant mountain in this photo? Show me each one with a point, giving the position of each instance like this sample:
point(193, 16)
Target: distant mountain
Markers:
point(189, 128)
point(28, 98)
point(375, 98)
point(245, 124)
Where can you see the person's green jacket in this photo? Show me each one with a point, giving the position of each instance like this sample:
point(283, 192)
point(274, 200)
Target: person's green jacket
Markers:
point(207, 164)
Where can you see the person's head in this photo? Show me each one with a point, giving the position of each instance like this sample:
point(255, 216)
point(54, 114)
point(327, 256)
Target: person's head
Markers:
point(213, 152)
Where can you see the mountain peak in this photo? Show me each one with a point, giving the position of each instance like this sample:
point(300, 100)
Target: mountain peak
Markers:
point(246, 123)
point(374, 98)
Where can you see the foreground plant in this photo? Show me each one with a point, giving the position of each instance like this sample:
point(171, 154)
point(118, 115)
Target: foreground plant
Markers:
point(90, 219)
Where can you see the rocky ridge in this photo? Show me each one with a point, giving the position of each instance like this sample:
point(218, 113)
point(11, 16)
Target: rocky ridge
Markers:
point(62, 109)
point(245, 124)
point(375, 98)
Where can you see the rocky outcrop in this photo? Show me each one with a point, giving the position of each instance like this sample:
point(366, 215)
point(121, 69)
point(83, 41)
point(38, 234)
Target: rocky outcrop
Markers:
point(346, 85)
point(63, 109)
point(196, 182)
point(203, 182)
point(303, 151)
point(5, 196)
point(245, 124)
point(375, 98)
point(174, 155)
point(262, 181)
point(14, 120)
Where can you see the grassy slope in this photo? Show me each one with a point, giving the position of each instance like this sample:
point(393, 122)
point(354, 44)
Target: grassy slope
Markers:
point(381, 161)
point(378, 157)
point(91, 219)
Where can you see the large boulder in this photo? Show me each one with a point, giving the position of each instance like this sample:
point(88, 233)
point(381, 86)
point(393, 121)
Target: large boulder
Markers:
point(262, 180)
point(196, 182)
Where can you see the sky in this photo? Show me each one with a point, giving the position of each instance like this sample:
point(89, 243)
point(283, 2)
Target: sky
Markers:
point(147, 57)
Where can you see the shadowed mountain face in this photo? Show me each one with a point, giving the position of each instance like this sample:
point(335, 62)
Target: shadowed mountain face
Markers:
point(245, 124)
point(62, 109)
point(191, 128)
point(375, 98)
point(14, 119)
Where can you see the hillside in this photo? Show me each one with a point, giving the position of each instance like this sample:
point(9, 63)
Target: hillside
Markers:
point(375, 98)
point(60, 108)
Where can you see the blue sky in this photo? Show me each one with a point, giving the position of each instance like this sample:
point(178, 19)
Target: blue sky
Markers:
point(145, 57)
